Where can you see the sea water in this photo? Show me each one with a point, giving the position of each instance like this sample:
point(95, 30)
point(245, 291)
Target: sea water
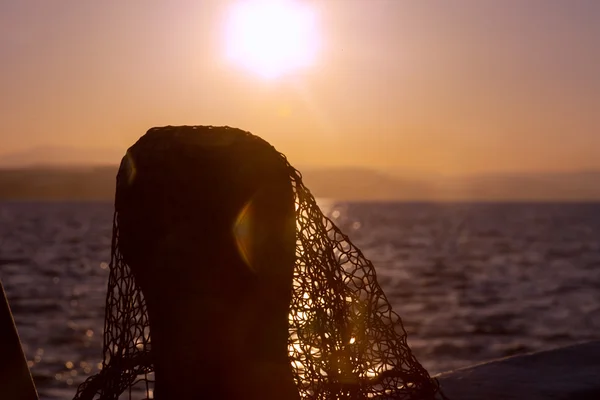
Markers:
point(472, 282)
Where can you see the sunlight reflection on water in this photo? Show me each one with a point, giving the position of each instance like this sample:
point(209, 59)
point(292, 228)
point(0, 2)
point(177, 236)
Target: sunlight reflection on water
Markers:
point(471, 282)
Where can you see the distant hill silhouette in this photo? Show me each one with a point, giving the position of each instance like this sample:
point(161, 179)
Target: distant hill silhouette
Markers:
point(363, 184)
point(98, 183)
point(60, 156)
point(58, 183)
point(566, 186)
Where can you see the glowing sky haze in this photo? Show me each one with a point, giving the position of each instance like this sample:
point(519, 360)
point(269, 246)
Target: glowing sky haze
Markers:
point(435, 86)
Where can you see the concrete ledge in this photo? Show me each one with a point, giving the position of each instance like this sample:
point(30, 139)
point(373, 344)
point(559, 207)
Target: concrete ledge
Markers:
point(571, 372)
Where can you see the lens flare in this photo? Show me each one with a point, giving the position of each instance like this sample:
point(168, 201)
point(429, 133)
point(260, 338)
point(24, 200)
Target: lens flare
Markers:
point(242, 232)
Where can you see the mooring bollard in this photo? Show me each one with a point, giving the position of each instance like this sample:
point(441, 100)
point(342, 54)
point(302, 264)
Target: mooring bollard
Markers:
point(206, 223)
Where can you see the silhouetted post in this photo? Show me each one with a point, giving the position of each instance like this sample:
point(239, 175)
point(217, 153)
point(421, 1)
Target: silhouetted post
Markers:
point(206, 223)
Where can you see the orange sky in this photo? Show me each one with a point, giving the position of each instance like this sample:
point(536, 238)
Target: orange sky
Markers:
point(432, 86)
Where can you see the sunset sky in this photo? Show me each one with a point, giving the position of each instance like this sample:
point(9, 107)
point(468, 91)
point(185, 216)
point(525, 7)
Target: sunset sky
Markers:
point(419, 86)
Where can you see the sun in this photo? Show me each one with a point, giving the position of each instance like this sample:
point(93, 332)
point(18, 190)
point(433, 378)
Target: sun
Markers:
point(271, 37)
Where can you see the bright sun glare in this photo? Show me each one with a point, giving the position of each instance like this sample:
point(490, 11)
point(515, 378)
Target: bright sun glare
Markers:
point(271, 37)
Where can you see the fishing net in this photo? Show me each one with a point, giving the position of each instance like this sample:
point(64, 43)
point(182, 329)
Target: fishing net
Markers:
point(344, 340)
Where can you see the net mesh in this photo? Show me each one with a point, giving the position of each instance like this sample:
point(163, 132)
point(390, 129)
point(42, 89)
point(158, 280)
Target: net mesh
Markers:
point(345, 341)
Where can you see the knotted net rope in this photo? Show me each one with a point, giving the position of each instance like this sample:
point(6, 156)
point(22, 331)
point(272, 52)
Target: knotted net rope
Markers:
point(345, 341)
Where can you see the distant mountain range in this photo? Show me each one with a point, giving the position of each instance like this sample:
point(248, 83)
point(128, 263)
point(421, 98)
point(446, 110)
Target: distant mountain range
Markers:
point(53, 172)
point(61, 182)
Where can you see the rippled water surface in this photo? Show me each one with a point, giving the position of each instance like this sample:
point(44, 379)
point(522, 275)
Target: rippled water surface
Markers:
point(471, 282)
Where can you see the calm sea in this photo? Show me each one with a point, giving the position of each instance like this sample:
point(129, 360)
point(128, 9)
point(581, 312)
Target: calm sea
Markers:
point(471, 282)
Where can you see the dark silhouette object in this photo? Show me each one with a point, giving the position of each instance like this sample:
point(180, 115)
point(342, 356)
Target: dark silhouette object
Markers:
point(15, 377)
point(226, 281)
